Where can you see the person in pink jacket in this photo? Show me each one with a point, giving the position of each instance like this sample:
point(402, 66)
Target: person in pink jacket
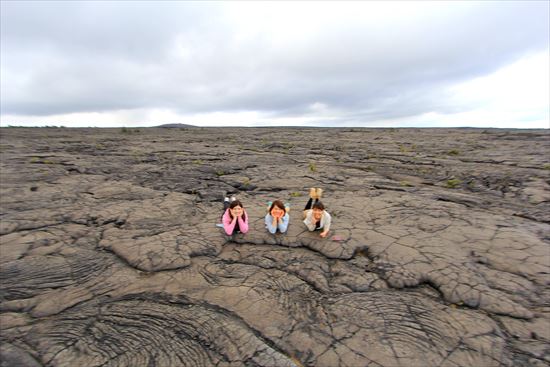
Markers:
point(234, 219)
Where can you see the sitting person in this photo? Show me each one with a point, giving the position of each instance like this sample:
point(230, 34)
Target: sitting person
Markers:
point(315, 215)
point(277, 217)
point(234, 218)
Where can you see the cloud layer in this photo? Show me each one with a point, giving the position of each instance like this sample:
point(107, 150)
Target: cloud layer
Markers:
point(333, 62)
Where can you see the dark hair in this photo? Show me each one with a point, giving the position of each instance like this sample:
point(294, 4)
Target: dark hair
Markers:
point(318, 205)
point(277, 203)
point(233, 205)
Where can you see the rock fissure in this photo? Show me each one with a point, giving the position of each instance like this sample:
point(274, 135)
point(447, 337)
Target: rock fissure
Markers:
point(106, 260)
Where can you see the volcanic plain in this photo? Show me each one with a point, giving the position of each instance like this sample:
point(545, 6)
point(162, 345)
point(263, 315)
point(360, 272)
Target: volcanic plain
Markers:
point(438, 255)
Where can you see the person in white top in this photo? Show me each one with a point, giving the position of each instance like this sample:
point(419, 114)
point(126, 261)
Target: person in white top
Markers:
point(315, 215)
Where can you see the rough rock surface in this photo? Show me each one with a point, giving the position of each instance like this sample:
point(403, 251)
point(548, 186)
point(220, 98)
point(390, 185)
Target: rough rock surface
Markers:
point(110, 254)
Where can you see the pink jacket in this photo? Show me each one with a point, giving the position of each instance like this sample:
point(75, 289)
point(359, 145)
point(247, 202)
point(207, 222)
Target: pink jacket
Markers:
point(228, 226)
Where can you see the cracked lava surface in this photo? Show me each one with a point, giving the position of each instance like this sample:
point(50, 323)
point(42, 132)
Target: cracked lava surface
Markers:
point(110, 254)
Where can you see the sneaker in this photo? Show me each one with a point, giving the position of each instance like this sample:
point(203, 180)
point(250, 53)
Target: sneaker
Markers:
point(312, 193)
point(233, 198)
point(226, 199)
point(319, 192)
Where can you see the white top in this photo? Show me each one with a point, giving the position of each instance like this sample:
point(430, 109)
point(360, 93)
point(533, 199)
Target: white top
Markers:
point(310, 222)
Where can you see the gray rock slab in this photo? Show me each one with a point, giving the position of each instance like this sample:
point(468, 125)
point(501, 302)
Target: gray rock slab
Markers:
point(438, 253)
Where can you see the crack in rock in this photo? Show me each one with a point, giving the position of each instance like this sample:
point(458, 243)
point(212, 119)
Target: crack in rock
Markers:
point(110, 254)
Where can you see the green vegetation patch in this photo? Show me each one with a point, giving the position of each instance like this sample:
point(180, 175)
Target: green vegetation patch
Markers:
point(453, 183)
point(39, 160)
point(125, 130)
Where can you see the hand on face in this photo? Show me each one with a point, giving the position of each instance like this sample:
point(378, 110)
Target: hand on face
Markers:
point(237, 212)
point(317, 214)
point(277, 213)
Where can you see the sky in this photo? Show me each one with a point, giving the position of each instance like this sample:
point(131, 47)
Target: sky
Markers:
point(230, 63)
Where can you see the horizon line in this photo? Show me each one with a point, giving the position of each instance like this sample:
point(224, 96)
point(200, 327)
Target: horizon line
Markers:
point(266, 127)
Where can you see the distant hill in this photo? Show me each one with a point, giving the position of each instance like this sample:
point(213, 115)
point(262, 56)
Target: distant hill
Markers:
point(175, 125)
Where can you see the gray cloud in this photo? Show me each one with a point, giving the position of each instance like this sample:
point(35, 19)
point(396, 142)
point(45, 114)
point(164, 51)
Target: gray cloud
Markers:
point(64, 57)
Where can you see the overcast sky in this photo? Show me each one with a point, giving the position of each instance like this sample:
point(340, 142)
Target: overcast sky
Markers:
point(126, 63)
